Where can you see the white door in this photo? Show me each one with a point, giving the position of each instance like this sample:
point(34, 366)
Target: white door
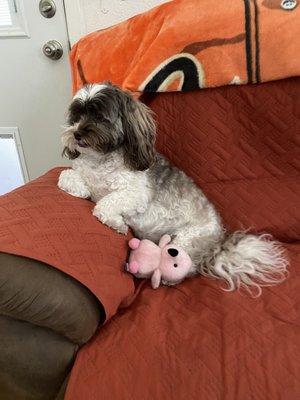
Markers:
point(34, 89)
point(85, 16)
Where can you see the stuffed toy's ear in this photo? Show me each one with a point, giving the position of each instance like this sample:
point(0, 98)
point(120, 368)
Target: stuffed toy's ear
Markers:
point(155, 279)
point(164, 240)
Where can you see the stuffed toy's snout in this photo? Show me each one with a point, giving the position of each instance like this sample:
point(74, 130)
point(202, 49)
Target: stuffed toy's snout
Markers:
point(133, 266)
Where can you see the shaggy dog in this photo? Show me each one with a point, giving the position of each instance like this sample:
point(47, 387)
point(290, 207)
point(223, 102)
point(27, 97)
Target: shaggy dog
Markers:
point(110, 137)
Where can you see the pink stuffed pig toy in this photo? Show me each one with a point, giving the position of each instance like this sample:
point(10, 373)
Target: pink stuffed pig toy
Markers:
point(165, 262)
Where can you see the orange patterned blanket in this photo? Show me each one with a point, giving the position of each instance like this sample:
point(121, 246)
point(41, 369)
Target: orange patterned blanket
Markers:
point(190, 44)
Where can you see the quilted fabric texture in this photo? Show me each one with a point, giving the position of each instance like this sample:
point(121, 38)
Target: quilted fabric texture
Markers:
point(242, 146)
point(196, 342)
point(42, 222)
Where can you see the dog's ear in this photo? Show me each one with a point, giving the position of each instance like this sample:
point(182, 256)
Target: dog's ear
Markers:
point(71, 154)
point(139, 133)
point(67, 138)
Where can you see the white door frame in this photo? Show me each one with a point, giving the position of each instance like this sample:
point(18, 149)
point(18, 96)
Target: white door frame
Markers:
point(75, 18)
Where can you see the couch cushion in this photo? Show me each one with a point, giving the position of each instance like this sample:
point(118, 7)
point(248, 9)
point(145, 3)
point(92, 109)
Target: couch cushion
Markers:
point(241, 146)
point(195, 341)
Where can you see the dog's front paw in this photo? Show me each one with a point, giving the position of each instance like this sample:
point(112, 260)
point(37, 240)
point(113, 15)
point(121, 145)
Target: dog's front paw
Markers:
point(121, 228)
point(115, 222)
point(71, 182)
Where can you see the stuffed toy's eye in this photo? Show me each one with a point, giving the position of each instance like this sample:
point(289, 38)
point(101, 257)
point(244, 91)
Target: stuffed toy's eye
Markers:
point(173, 252)
point(175, 265)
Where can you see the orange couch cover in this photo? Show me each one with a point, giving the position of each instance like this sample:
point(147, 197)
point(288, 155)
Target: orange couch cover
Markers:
point(190, 44)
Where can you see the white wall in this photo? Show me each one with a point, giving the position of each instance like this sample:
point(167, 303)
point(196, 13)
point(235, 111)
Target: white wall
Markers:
point(85, 16)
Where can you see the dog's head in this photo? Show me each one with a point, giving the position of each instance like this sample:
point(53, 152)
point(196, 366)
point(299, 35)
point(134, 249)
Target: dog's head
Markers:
point(103, 118)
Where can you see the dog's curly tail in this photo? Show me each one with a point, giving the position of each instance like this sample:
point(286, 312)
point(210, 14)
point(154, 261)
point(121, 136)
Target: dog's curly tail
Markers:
point(246, 261)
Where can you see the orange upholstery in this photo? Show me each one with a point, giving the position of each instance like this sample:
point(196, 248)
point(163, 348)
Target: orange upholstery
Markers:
point(187, 44)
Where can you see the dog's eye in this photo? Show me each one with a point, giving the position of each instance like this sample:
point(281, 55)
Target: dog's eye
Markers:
point(101, 118)
point(175, 265)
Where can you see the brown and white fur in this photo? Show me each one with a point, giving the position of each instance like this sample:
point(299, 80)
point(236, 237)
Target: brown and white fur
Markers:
point(110, 137)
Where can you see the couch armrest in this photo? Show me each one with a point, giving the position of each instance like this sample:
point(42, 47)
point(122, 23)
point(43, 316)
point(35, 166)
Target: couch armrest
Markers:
point(37, 293)
point(34, 361)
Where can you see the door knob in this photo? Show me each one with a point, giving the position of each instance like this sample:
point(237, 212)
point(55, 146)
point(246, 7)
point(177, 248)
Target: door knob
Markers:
point(53, 49)
point(47, 8)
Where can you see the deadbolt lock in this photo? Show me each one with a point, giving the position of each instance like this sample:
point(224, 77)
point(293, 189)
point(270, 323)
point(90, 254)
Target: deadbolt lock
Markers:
point(47, 8)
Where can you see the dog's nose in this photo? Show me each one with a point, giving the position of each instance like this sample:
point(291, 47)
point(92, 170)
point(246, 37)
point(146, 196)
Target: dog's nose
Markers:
point(77, 135)
point(173, 252)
